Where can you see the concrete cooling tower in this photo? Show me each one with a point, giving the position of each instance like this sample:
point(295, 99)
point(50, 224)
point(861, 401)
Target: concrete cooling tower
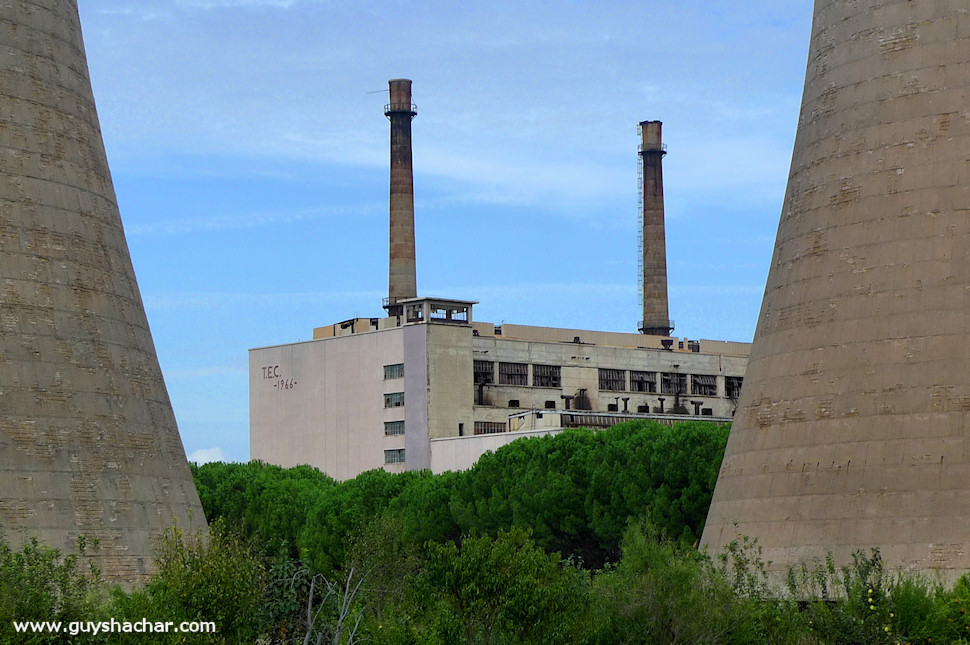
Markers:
point(88, 441)
point(853, 428)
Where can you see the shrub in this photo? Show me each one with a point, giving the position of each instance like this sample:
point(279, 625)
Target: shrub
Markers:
point(212, 576)
point(39, 583)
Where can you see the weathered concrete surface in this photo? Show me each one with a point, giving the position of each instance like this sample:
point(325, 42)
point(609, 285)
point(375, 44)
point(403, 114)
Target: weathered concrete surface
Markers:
point(656, 316)
point(402, 272)
point(852, 428)
point(88, 441)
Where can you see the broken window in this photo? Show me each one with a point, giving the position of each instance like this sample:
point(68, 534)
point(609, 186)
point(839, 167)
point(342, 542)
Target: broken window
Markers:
point(484, 372)
point(673, 383)
point(489, 427)
point(612, 380)
point(732, 386)
point(643, 381)
point(513, 373)
point(546, 376)
point(703, 384)
point(394, 400)
point(414, 313)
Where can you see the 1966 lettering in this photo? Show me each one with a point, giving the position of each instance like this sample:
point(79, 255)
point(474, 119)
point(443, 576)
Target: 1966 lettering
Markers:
point(280, 383)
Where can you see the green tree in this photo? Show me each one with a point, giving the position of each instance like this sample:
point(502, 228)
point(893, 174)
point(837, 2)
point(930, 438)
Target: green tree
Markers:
point(213, 577)
point(423, 507)
point(499, 590)
point(335, 517)
point(666, 472)
point(262, 500)
point(660, 592)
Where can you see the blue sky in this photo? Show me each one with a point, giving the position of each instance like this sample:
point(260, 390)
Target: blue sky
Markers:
point(249, 153)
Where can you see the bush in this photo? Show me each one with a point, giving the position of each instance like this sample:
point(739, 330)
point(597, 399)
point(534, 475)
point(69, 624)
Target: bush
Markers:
point(39, 583)
point(661, 592)
point(212, 576)
point(499, 590)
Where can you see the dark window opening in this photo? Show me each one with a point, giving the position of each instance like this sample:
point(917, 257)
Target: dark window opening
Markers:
point(489, 427)
point(643, 381)
point(673, 383)
point(484, 372)
point(612, 380)
point(703, 384)
point(546, 376)
point(513, 373)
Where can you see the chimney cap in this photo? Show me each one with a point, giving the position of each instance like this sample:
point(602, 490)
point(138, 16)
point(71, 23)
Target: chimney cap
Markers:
point(399, 98)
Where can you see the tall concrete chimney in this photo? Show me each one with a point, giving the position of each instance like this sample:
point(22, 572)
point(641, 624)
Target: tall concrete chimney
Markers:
point(402, 279)
point(853, 425)
point(656, 320)
point(88, 441)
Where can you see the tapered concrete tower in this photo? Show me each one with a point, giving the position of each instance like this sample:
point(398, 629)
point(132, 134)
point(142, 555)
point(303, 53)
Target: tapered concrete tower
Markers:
point(402, 278)
point(88, 442)
point(656, 317)
point(853, 427)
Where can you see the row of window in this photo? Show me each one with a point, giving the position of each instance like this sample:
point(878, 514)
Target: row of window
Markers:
point(516, 374)
point(392, 428)
point(610, 380)
point(489, 427)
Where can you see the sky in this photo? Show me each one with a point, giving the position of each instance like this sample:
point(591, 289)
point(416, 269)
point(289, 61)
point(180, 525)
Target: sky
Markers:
point(249, 154)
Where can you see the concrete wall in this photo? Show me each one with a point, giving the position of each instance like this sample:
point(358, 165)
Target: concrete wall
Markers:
point(461, 453)
point(322, 402)
point(88, 440)
point(418, 451)
point(580, 364)
point(853, 428)
point(606, 338)
point(450, 388)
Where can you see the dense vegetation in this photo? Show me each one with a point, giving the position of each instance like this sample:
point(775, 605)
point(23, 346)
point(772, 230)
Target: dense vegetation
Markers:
point(585, 538)
point(575, 492)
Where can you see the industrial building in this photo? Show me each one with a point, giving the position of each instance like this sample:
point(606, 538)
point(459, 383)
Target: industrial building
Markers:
point(428, 386)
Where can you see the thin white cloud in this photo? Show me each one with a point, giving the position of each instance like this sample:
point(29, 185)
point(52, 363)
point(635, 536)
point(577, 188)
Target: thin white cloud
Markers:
point(246, 220)
point(205, 372)
point(213, 300)
point(206, 455)
point(230, 4)
point(141, 11)
point(504, 109)
point(717, 290)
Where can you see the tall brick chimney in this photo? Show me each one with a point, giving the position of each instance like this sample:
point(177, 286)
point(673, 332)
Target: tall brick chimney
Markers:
point(402, 279)
point(656, 319)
